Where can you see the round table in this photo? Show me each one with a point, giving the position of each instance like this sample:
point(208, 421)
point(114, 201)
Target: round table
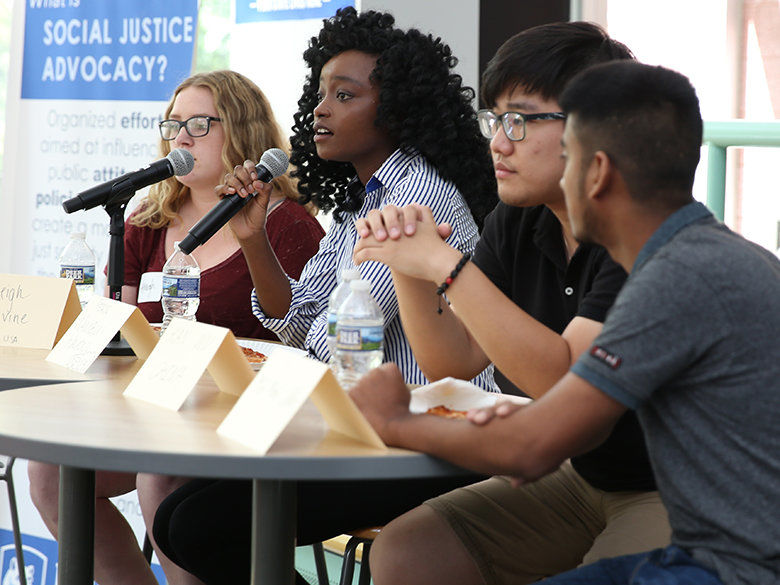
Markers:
point(90, 425)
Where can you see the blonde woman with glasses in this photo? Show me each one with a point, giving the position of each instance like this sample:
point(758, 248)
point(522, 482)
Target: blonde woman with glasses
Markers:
point(219, 117)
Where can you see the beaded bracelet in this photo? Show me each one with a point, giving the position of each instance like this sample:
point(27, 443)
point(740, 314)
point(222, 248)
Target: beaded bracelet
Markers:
point(448, 281)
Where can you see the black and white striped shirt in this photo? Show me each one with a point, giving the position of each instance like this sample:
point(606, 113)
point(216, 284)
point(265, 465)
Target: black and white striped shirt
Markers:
point(404, 178)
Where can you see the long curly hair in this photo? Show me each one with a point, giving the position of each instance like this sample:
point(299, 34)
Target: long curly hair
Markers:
point(250, 129)
point(422, 105)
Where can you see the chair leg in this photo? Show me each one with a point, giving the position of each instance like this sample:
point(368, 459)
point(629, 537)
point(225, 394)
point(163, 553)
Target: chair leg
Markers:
point(348, 565)
point(7, 476)
point(147, 549)
point(320, 564)
point(365, 570)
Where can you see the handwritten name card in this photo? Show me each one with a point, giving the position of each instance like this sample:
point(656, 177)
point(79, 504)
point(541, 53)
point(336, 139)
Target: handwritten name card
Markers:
point(97, 324)
point(35, 311)
point(184, 352)
point(278, 392)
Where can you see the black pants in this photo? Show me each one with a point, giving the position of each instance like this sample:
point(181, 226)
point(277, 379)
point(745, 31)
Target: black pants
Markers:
point(205, 526)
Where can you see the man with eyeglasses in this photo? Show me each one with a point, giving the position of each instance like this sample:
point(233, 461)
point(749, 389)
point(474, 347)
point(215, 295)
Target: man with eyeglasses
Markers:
point(531, 301)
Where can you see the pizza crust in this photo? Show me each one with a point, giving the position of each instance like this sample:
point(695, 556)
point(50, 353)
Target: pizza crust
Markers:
point(445, 412)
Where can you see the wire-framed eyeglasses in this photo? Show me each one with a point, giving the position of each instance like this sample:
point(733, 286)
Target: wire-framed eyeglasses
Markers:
point(513, 122)
point(196, 126)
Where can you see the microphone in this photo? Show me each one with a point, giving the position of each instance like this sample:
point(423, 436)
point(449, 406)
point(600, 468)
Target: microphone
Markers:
point(178, 162)
point(272, 164)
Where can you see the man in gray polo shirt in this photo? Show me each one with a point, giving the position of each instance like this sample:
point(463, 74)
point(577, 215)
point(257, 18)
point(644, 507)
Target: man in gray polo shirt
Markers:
point(691, 344)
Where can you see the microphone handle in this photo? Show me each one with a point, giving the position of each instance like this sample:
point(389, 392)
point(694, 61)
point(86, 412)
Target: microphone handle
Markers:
point(211, 223)
point(220, 214)
point(129, 182)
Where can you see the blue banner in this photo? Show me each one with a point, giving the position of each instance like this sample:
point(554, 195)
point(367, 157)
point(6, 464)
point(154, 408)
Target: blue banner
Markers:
point(40, 560)
point(107, 49)
point(265, 10)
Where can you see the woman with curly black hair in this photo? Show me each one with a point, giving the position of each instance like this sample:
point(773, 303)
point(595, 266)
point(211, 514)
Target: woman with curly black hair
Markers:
point(422, 106)
point(382, 121)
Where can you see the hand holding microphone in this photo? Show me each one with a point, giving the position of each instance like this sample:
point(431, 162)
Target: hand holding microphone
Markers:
point(272, 164)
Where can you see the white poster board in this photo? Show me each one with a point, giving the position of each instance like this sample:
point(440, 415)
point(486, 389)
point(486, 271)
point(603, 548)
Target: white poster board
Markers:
point(88, 82)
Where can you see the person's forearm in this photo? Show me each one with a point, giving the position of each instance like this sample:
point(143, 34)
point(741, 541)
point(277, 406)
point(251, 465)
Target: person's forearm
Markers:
point(485, 326)
point(574, 417)
point(494, 449)
point(269, 279)
point(441, 344)
point(526, 442)
point(527, 352)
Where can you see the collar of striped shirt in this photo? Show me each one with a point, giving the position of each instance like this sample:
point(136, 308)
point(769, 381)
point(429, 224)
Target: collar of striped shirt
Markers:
point(392, 170)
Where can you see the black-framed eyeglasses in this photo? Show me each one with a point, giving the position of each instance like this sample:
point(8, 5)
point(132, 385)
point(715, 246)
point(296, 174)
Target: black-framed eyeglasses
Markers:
point(196, 126)
point(513, 122)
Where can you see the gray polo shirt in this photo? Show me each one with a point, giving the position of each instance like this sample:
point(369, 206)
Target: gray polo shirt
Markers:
point(693, 344)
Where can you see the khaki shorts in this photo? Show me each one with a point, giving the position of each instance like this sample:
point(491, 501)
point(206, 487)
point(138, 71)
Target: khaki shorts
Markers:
point(521, 535)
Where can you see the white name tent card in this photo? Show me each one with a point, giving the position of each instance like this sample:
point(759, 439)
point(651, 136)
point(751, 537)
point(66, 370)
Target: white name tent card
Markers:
point(95, 326)
point(35, 311)
point(279, 391)
point(184, 352)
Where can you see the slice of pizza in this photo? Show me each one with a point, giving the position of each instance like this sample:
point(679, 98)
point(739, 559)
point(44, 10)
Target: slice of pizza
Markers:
point(446, 412)
point(254, 357)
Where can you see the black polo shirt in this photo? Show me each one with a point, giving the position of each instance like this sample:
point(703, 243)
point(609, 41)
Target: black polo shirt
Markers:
point(522, 252)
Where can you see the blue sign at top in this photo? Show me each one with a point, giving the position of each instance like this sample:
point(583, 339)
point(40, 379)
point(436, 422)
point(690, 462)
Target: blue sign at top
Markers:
point(107, 50)
point(264, 10)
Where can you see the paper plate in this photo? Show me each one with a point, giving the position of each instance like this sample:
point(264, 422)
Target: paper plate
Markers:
point(268, 348)
point(452, 393)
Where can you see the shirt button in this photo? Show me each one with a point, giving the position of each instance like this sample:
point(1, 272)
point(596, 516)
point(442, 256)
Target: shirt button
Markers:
point(568, 291)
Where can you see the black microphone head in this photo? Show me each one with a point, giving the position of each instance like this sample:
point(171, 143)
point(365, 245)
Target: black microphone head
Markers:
point(182, 162)
point(275, 160)
point(73, 204)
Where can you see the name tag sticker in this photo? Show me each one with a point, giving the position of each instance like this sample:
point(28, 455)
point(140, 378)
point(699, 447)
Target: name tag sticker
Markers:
point(150, 288)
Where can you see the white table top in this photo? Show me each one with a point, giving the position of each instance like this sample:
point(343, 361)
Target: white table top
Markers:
point(20, 366)
point(90, 424)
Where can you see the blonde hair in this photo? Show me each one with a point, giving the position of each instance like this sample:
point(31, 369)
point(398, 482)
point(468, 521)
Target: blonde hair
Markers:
point(250, 129)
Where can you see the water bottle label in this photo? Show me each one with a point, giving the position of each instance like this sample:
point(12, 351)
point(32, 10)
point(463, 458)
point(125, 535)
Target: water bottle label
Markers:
point(181, 287)
point(80, 274)
point(332, 320)
point(360, 338)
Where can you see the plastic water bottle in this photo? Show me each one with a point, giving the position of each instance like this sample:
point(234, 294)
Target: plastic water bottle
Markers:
point(77, 262)
point(180, 287)
point(338, 296)
point(359, 335)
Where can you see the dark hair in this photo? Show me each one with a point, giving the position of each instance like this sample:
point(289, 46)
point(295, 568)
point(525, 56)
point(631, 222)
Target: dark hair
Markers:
point(647, 120)
point(422, 105)
point(544, 58)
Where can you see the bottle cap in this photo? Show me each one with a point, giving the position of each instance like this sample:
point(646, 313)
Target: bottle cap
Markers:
point(360, 284)
point(78, 236)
